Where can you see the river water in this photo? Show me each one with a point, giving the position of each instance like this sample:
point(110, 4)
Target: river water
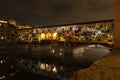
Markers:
point(52, 61)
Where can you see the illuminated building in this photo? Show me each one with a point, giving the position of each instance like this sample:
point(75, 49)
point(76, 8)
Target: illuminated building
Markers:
point(99, 31)
point(7, 32)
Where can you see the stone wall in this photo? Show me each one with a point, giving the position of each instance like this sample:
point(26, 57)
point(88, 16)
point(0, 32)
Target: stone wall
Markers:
point(108, 68)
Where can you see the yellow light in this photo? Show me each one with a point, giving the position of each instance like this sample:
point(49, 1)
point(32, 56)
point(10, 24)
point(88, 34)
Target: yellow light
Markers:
point(55, 35)
point(48, 67)
point(62, 39)
point(3, 76)
point(54, 70)
point(3, 21)
point(39, 37)
point(42, 66)
point(48, 36)
point(43, 36)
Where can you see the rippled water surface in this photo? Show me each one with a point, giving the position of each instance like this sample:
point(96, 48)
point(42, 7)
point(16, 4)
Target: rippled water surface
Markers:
point(55, 61)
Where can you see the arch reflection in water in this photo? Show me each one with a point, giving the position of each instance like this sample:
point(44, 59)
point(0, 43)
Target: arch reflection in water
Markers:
point(78, 52)
point(90, 52)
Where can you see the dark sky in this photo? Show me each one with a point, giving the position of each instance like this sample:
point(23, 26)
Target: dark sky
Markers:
point(55, 12)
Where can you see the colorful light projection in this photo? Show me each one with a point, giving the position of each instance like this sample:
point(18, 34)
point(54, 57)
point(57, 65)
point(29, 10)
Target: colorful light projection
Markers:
point(102, 32)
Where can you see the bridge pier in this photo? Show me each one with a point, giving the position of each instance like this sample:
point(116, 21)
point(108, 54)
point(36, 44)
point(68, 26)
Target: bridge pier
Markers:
point(116, 23)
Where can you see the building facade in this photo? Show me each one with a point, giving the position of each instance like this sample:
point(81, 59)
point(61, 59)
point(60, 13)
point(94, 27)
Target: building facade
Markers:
point(7, 33)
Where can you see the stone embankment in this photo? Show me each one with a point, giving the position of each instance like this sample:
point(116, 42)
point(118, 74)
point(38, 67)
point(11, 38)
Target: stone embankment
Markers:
point(107, 68)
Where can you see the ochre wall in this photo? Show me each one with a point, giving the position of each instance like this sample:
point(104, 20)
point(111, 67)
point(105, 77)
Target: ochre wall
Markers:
point(117, 23)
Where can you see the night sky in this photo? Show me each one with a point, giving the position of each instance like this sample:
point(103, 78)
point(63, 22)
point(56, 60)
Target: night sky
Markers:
point(55, 12)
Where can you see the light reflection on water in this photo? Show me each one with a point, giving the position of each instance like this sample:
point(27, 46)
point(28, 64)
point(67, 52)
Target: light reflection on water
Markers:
point(91, 52)
point(46, 69)
point(7, 67)
point(58, 61)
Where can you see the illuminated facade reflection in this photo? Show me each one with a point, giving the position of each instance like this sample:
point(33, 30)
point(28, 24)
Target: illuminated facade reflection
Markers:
point(39, 67)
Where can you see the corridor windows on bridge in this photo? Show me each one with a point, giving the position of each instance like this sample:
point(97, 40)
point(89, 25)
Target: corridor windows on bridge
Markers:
point(90, 32)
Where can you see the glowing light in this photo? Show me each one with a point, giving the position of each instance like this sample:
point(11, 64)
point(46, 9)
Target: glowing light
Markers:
point(39, 37)
point(48, 36)
point(42, 66)
point(60, 53)
point(48, 67)
point(62, 39)
point(54, 70)
point(3, 21)
point(43, 36)
point(53, 51)
point(91, 46)
point(2, 37)
point(1, 61)
point(55, 35)
point(2, 77)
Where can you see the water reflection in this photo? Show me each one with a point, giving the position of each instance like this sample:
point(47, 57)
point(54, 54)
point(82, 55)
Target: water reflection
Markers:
point(78, 52)
point(7, 67)
point(55, 51)
point(91, 51)
point(39, 67)
point(57, 61)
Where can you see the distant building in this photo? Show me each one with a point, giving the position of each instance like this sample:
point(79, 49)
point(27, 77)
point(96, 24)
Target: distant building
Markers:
point(7, 32)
